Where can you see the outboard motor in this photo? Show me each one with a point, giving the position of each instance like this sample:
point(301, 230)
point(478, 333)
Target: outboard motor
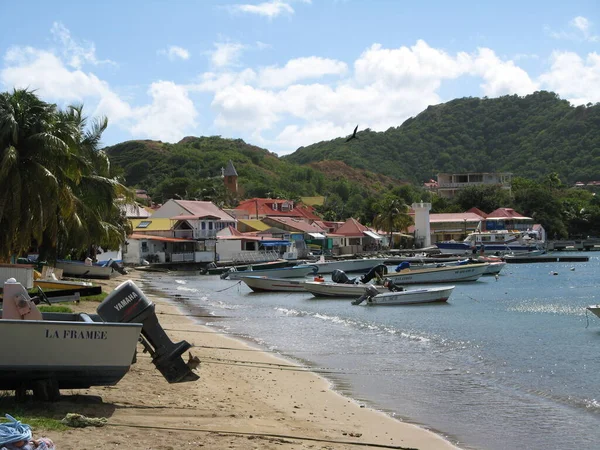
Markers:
point(403, 265)
point(370, 292)
point(127, 303)
point(339, 276)
point(118, 267)
point(378, 271)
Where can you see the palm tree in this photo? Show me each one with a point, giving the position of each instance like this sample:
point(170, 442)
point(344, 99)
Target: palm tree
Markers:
point(392, 216)
point(55, 185)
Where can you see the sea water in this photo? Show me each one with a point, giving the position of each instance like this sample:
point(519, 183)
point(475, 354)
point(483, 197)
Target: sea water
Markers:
point(507, 363)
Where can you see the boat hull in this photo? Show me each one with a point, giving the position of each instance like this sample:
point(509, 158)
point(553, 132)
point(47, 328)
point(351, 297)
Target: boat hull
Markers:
point(349, 265)
point(266, 284)
point(284, 272)
point(331, 289)
point(594, 309)
point(460, 248)
point(74, 354)
point(412, 297)
point(80, 270)
point(468, 272)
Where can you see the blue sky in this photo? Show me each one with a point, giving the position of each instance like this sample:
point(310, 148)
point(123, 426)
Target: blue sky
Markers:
point(285, 73)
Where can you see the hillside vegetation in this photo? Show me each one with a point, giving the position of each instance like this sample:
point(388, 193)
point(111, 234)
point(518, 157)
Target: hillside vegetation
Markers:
point(529, 136)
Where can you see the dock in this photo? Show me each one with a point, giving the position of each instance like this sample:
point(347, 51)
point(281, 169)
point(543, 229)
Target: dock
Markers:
point(546, 258)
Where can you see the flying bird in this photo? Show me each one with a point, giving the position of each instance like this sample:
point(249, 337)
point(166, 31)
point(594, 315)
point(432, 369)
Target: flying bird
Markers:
point(354, 136)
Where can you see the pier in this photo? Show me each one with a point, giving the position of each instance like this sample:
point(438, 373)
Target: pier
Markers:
point(546, 258)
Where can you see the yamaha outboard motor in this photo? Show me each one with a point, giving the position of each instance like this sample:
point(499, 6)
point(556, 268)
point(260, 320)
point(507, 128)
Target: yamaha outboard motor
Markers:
point(127, 303)
point(378, 271)
point(339, 276)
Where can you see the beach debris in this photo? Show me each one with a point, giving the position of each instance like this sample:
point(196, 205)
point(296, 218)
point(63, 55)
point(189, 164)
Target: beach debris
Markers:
point(17, 435)
point(76, 420)
point(193, 361)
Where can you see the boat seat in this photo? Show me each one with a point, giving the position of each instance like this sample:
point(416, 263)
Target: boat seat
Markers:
point(17, 304)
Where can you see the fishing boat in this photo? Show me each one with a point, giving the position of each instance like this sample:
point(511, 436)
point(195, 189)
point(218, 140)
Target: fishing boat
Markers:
point(47, 352)
point(268, 284)
point(406, 297)
point(332, 289)
point(81, 269)
point(494, 241)
point(444, 274)
point(495, 265)
point(282, 272)
point(216, 269)
point(348, 265)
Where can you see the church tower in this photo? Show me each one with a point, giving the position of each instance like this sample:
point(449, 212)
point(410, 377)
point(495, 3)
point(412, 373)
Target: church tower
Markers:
point(230, 177)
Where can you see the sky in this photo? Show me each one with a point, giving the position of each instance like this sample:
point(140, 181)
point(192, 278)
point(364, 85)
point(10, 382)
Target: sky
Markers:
point(282, 74)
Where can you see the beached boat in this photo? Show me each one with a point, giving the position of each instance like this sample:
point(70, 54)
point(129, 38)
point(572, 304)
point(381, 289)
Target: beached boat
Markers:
point(80, 269)
point(406, 297)
point(444, 274)
point(282, 272)
point(332, 289)
point(594, 309)
point(216, 269)
point(491, 242)
point(46, 352)
point(268, 284)
point(348, 265)
point(61, 284)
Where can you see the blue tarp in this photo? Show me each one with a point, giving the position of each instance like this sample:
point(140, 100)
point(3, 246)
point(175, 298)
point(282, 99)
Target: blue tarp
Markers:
point(274, 243)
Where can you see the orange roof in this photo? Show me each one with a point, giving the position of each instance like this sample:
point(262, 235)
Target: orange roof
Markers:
point(477, 211)
point(351, 227)
point(298, 224)
point(506, 213)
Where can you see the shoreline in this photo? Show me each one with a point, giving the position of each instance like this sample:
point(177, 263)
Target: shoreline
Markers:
point(246, 397)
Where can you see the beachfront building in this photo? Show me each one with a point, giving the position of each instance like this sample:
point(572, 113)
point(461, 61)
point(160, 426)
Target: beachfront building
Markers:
point(449, 184)
point(301, 232)
point(353, 237)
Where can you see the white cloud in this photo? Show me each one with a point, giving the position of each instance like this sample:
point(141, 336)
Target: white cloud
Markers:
point(170, 115)
point(501, 77)
point(174, 52)
point(226, 54)
point(269, 9)
point(580, 30)
point(299, 69)
point(75, 53)
point(574, 78)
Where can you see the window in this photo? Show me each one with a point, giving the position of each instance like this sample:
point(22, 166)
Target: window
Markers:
point(144, 247)
point(144, 224)
point(204, 225)
point(275, 206)
point(210, 225)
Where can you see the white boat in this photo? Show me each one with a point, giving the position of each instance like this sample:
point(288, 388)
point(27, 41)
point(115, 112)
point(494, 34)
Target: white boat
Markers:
point(282, 272)
point(445, 274)
point(46, 352)
point(348, 265)
point(267, 284)
point(595, 309)
point(491, 242)
point(331, 289)
point(525, 254)
point(79, 269)
point(494, 268)
point(410, 297)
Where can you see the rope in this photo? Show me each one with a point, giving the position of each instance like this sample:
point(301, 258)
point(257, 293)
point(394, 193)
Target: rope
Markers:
point(265, 435)
point(14, 431)
point(221, 290)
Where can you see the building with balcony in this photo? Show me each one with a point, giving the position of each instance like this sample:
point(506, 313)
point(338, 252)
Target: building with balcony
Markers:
point(449, 184)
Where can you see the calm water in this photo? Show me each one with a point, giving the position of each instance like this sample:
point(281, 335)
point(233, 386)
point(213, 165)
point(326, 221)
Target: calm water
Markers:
point(506, 364)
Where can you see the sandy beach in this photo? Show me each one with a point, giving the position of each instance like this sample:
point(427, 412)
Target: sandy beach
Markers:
point(245, 399)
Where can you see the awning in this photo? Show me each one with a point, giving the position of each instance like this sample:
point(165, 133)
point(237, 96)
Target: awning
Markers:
point(317, 235)
point(373, 235)
point(149, 237)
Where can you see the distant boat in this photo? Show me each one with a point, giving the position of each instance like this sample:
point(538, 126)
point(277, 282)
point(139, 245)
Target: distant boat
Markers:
point(490, 242)
point(348, 265)
point(282, 272)
point(406, 297)
point(495, 264)
point(595, 309)
point(445, 274)
point(215, 269)
point(266, 284)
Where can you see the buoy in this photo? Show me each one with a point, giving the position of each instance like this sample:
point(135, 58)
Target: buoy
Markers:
point(496, 276)
point(572, 269)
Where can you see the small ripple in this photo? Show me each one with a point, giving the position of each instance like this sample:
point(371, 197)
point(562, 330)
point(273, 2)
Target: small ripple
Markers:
point(552, 308)
point(180, 281)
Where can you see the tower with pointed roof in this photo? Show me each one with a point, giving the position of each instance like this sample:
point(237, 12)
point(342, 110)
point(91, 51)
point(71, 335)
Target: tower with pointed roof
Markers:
point(230, 178)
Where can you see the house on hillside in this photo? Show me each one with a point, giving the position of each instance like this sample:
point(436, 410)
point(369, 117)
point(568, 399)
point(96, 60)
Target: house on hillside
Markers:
point(258, 208)
point(451, 226)
point(353, 237)
point(449, 184)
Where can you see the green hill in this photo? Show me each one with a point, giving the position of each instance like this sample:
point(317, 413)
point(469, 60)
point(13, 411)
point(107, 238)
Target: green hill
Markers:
point(529, 136)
